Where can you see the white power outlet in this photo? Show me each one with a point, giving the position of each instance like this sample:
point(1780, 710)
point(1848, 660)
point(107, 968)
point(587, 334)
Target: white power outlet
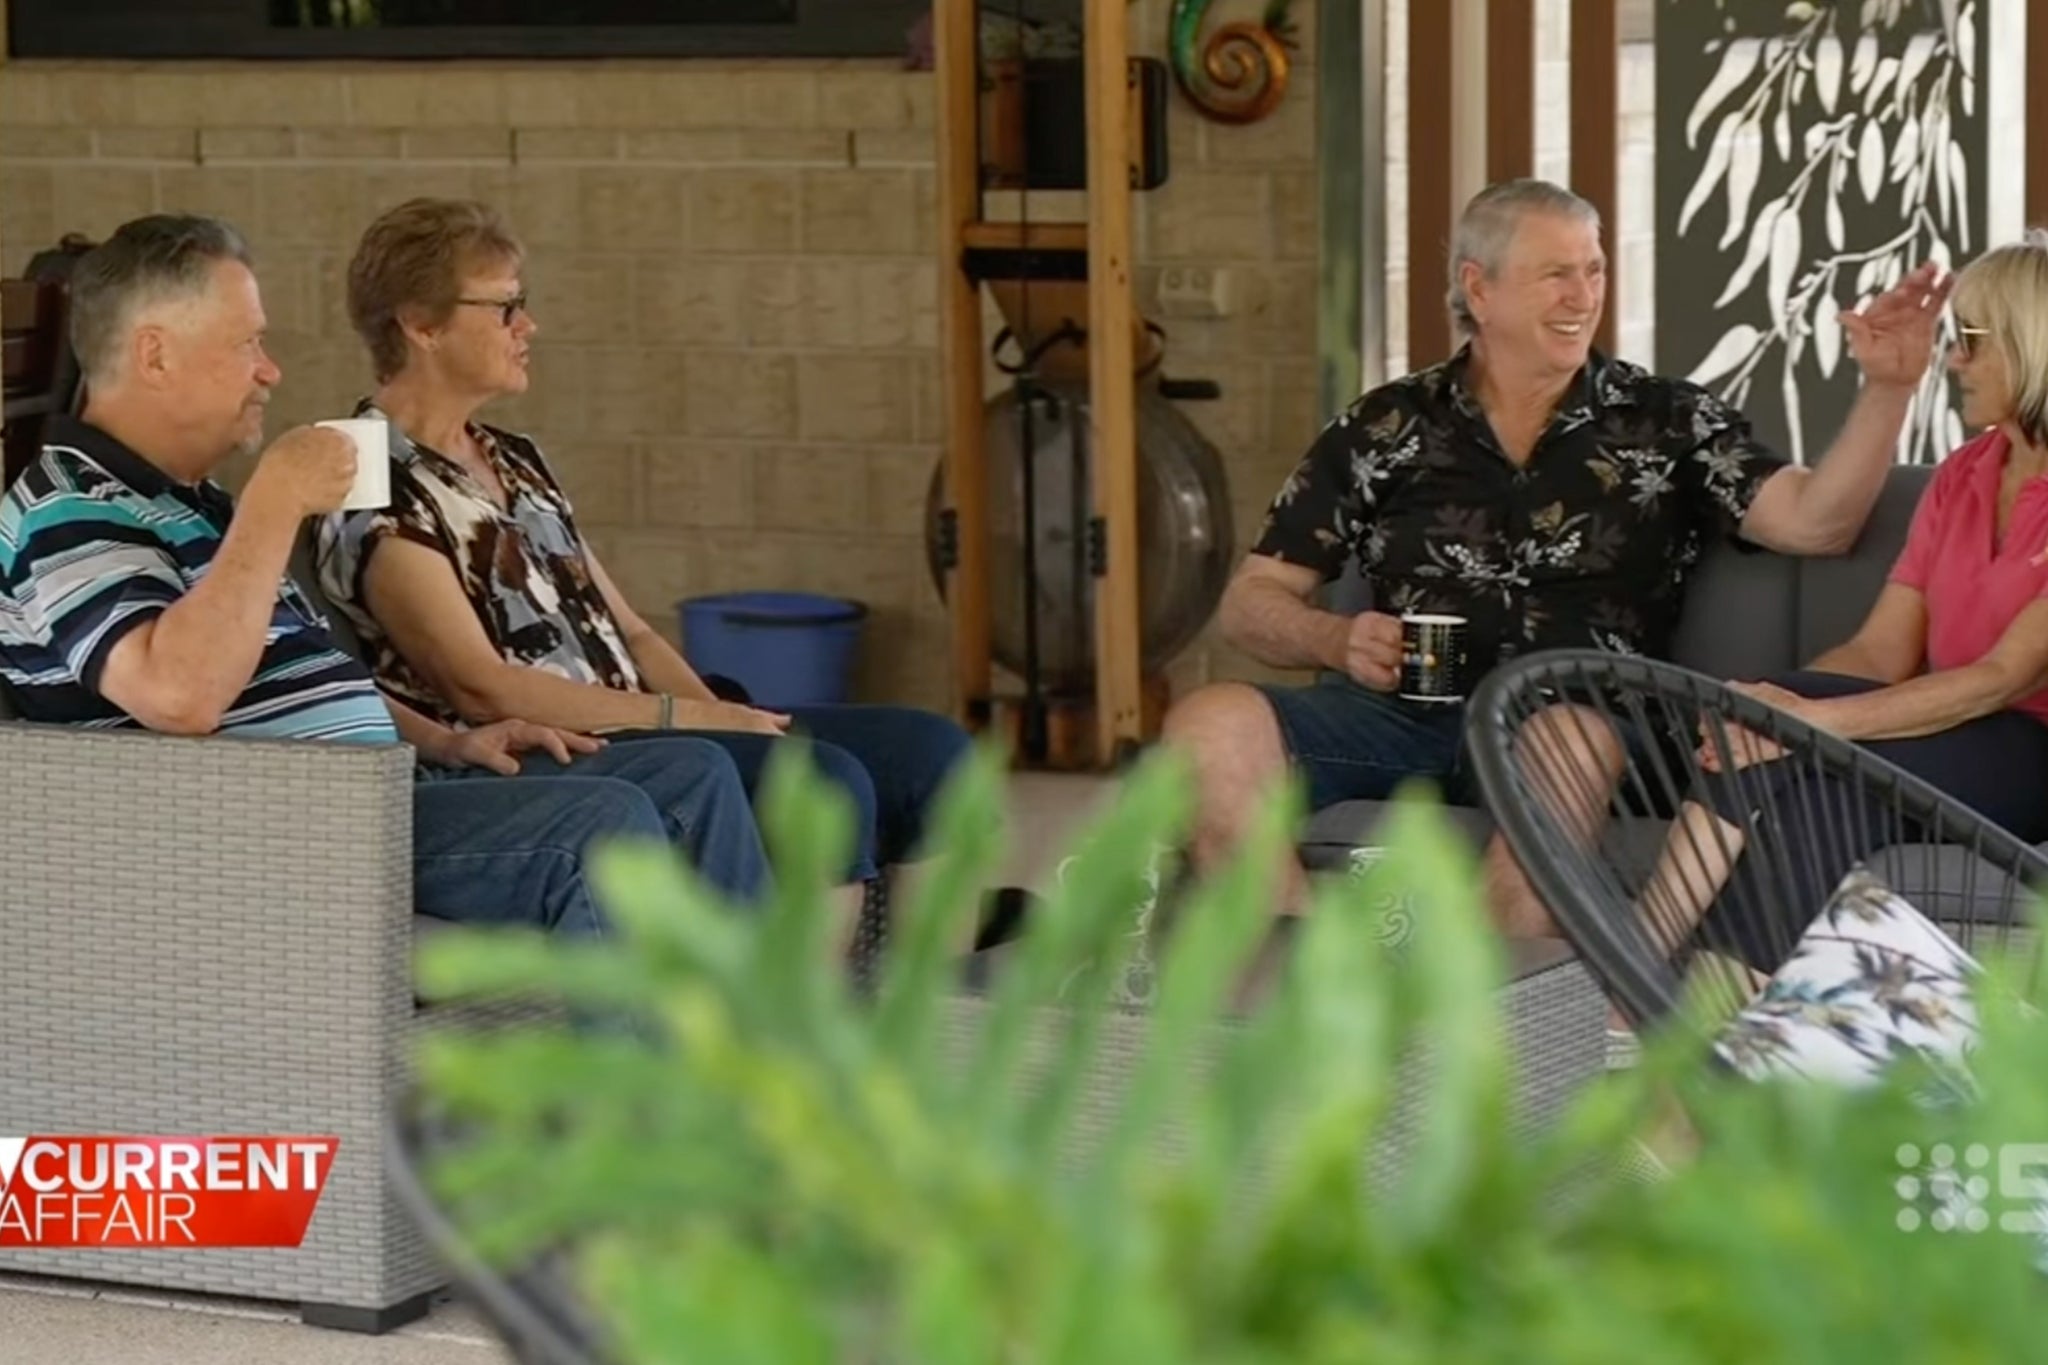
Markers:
point(1195, 291)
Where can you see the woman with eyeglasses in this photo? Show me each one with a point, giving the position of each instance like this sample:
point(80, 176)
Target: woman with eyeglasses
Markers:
point(477, 596)
point(1947, 677)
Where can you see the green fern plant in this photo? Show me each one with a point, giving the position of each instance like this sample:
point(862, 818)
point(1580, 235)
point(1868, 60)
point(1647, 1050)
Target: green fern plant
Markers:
point(775, 1171)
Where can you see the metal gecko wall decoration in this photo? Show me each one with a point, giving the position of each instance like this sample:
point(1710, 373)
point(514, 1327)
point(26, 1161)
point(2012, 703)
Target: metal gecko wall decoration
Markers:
point(1237, 73)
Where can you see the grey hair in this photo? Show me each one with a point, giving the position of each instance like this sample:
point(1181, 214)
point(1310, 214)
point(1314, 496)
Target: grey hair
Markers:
point(151, 260)
point(1487, 226)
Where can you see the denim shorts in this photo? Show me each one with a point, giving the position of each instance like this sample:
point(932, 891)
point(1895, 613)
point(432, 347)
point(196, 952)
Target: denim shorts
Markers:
point(1350, 743)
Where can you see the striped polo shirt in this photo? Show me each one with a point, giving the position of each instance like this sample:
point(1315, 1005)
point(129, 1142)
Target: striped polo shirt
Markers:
point(95, 541)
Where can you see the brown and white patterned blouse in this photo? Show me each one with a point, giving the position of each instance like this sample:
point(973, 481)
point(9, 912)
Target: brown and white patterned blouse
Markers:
point(524, 568)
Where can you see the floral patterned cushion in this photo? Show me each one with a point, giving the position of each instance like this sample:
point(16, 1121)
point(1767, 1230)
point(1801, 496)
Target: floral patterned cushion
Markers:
point(1872, 980)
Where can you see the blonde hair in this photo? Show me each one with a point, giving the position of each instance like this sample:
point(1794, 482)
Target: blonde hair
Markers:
point(2005, 291)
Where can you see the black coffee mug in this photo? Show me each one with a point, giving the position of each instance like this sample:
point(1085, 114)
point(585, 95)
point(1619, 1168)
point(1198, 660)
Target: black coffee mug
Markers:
point(1432, 657)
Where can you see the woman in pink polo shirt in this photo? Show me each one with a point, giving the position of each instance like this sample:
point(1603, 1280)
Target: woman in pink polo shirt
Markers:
point(1945, 678)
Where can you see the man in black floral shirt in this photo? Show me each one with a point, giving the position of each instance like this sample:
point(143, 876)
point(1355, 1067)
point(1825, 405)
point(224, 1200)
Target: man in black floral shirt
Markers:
point(1548, 493)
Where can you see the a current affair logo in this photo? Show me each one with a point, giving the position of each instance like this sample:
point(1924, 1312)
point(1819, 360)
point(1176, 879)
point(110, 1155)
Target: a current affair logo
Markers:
point(125, 1191)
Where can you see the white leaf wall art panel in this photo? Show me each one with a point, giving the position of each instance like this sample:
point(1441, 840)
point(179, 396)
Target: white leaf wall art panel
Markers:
point(1835, 138)
point(1736, 345)
point(1745, 162)
point(1738, 60)
point(1944, 183)
point(1915, 61)
point(1827, 334)
point(1753, 257)
point(1863, 65)
point(1870, 162)
point(1827, 75)
point(1959, 176)
point(1880, 84)
point(1906, 152)
point(1710, 174)
point(1785, 243)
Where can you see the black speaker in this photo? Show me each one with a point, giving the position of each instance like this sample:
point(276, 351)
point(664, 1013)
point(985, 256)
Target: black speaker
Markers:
point(1036, 123)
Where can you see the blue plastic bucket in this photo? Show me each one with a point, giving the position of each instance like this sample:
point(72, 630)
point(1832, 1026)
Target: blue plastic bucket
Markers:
point(785, 648)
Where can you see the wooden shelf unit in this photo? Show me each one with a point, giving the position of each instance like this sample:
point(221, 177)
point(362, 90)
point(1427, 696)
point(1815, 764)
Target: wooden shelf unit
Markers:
point(1100, 248)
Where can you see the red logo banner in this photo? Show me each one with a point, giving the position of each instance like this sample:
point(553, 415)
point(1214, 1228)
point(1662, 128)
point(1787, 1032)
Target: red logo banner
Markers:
point(125, 1191)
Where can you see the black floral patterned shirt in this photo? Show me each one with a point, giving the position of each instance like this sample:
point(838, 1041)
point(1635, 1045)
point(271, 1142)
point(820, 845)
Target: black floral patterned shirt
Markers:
point(1587, 544)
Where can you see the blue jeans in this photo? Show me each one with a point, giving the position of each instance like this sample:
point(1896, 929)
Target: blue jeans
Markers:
point(891, 760)
point(516, 850)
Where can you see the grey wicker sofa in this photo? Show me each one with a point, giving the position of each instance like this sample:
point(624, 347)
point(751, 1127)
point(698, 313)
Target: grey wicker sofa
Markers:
point(215, 936)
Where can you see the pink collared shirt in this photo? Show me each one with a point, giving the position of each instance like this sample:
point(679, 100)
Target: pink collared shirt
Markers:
point(1975, 585)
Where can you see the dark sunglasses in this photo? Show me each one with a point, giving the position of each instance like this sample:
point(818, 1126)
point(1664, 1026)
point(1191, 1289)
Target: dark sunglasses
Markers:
point(1968, 339)
point(508, 309)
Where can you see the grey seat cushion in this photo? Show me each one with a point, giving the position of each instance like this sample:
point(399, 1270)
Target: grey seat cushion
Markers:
point(1937, 878)
point(1334, 831)
point(1738, 620)
point(1836, 591)
point(1633, 840)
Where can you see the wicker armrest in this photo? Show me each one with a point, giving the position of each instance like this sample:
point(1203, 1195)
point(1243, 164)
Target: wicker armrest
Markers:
point(213, 935)
point(154, 881)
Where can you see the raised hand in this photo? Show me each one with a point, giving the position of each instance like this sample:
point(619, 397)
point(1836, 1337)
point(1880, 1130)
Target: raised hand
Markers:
point(1892, 336)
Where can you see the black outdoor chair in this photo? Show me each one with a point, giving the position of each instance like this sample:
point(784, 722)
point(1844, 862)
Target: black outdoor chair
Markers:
point(1809, 817)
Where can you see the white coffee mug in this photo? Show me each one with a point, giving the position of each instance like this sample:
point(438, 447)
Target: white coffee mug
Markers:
point(372, 437)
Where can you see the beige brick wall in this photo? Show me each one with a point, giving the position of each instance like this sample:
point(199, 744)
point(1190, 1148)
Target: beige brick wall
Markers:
point(732, 267)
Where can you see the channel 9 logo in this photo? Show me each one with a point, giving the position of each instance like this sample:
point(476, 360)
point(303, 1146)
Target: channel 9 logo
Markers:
point(1949, 1189)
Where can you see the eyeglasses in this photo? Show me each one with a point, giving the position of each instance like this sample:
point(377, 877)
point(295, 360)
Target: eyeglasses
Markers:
point(1967, 340)
point(508, 309)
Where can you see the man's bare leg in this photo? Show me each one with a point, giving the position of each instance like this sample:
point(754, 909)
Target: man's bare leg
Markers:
point(1229, 733)
point(1699, 855)
point(1573, 759)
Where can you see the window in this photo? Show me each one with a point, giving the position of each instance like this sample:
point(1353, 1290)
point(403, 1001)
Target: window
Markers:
point(461, 28)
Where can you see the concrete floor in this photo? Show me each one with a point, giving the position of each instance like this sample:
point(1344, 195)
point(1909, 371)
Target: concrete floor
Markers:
point(59, 1322)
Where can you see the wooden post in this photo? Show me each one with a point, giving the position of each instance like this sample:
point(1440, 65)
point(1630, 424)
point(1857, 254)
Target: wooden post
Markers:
point(956, 48)
point(1596, 76)
point(2037, 116)
point(1429, 178)
point(1112, 389)
point(1510, 89)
